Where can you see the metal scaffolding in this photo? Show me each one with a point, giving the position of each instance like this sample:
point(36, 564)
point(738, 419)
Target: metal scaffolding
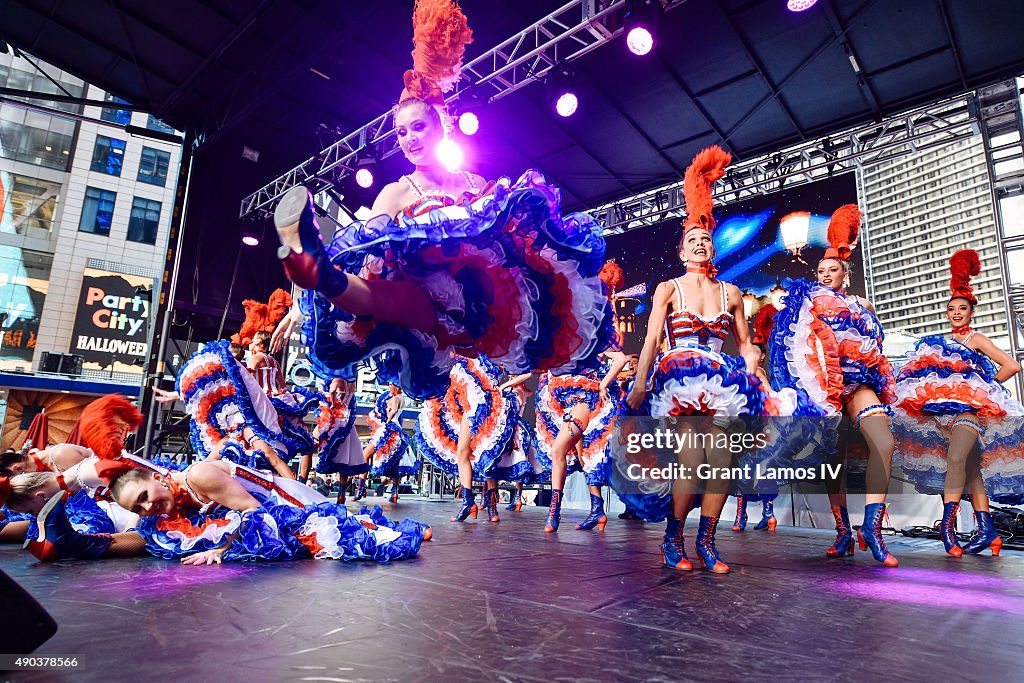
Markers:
point(1002, 128)
point(561, 37)
point(935, 125)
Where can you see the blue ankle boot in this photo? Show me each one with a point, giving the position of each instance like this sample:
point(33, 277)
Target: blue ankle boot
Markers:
point(985, 536)
point(843, 545)
point(491, 496)
point(554, 512)
point(706, 549)
point(947, 529)
point(517, 501)
point(870, 535)
point(596, 517)
point(58, 540)
point(768, 520)
point(741, 514)
point(673, 552)
point(468, 508)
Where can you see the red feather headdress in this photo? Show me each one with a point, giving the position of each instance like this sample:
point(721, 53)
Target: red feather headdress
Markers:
point(763, 324)
point(843, 230)
point(100, 429)
point(261, 316)
point(611, 275)
point(963, 265)
point(707, 168)
point(440, 34)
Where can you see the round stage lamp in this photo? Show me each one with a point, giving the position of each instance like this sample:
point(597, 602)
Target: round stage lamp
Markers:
point(250, 240)
point(469, 124)
point(566, 104)
point(450, 155)
point(794, 228)
point(639, 40)
point(800, 5)
point(364, 178)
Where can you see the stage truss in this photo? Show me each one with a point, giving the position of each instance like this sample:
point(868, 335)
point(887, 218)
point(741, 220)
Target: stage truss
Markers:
point(566, 34)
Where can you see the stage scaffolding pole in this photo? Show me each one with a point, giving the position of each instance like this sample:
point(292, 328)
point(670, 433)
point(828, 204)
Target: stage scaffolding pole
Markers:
point(164, 297)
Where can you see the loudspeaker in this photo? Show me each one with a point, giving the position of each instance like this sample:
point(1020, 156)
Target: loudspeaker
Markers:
point(26, 625)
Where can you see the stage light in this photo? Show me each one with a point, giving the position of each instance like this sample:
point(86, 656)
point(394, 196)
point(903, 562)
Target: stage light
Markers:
point(639, 22)
point(469, 124)
point(800, 5)
point(450, 155)
point(364, 178)
point(639, 40)
point(561, 90)
point(566, 104)
point(794, 228)
point(250, 240)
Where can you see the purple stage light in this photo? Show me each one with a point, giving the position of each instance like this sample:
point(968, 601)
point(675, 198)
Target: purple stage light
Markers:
point(469, 124)
point(450, 155)
point(800, 5)
point(364, 178)
point(639, 40)
point(250, 240)
point(566, 104)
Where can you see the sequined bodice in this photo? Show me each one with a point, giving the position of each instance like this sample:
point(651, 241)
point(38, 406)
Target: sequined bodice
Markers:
point(686, 328)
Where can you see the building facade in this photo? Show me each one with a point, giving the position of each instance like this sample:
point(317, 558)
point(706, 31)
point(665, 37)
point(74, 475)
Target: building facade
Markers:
point(919, 209)
point(85, 210)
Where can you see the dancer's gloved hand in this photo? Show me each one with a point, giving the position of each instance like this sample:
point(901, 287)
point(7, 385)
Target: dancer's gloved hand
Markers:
point(285, 328)
point(214, 556)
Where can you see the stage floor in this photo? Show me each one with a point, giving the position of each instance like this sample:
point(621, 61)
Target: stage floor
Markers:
point(507, 602)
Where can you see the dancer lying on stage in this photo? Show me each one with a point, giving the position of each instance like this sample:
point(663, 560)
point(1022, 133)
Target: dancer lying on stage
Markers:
point(954, 387)
point(69, 524)
point(698, 313)
point(218, 511)
point(449, 265)
point(829, 343)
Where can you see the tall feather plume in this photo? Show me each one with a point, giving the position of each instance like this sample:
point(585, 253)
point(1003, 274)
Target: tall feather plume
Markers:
point(963, 265)
point(103, 424)
point(707, 168)
point(440, 33)
point(763, 324)
point(611, 275)
point(262, 317)
point(843, 231)
point(277, 307)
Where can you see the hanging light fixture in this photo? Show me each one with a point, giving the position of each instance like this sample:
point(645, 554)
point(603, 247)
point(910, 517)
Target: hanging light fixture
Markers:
point(794, 228)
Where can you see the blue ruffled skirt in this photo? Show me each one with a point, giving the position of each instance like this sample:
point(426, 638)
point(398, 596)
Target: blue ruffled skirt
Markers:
point(510, 276)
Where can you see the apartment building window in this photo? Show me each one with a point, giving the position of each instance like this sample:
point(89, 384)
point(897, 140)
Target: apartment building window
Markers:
point(98, 211)
point(121, 117)
point(153, 166)
point(145, 221)
point(108, 155)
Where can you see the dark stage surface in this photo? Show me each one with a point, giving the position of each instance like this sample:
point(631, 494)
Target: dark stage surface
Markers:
point(490, 602)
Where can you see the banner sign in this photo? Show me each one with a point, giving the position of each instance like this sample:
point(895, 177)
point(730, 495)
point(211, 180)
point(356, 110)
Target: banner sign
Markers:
point(112, 322)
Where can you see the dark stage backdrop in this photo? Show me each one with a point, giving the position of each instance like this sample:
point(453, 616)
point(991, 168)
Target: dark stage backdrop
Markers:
point(749, 247)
